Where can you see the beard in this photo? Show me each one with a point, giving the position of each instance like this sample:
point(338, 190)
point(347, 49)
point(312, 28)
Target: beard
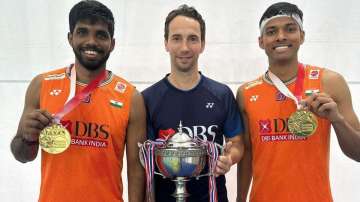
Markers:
point(91, 65)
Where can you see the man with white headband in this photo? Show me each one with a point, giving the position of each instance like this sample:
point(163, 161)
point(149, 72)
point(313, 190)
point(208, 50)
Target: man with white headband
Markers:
point(288, 112)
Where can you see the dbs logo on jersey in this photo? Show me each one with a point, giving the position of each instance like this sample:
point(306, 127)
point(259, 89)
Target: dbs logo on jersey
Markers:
point(265, 126)
point(276, 130)
point(67, 124)
point(166, 134)
point(207, 133)
point(87, 133)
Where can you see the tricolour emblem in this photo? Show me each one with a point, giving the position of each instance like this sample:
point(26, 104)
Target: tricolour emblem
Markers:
point(116, 103)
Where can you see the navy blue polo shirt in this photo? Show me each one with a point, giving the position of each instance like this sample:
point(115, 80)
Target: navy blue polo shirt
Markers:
point(208, 111)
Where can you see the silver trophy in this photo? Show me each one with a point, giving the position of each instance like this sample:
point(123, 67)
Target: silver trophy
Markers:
point(180, 158)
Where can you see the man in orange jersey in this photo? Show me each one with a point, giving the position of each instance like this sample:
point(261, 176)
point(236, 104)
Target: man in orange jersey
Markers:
point(107, 115)
point(286, 163)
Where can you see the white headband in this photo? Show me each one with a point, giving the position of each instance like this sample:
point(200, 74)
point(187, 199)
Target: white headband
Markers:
point(294, 16)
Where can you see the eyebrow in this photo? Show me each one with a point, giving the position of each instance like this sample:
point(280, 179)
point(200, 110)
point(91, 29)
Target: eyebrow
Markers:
point(81, 27)
point(290, 24)
point(102, 31)
point(175, 35)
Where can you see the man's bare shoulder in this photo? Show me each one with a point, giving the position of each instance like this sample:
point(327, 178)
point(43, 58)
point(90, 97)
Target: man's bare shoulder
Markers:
point(334, 83)
point(331, 76)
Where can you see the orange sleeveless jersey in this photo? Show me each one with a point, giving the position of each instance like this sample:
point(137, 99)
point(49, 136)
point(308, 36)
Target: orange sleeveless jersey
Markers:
point(90, 169)
point(286, 168)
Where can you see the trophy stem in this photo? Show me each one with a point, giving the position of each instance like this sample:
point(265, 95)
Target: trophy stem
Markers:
point(180, 191)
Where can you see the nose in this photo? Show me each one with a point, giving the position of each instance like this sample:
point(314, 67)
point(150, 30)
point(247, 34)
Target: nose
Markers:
point(91, 40)
point(184, 46)
point(281, 36)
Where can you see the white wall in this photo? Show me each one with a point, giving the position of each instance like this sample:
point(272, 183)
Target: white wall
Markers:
point(33, 40)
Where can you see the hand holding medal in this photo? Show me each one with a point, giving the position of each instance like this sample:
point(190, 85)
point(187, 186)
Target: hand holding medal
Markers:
point(323, 106)
point(56, 138)
point(302, 122)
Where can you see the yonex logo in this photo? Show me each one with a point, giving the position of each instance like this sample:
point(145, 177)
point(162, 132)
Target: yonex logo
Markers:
point(55, 92)
point(253, 98)
point(209, 105)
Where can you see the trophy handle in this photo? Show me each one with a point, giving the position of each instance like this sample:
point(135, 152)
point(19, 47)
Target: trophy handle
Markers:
point(157, 173)
point(220, 147)
point(141, 158)
point(204, 175)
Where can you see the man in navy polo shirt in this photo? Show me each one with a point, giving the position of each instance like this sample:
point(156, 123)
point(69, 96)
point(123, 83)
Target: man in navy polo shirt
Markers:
point(206, 108)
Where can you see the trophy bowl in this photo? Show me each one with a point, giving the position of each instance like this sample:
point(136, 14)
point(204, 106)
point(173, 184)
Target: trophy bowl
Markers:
point(180, 159)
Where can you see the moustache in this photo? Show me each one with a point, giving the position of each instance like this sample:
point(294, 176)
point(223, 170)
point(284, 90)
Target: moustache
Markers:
point(91, 48)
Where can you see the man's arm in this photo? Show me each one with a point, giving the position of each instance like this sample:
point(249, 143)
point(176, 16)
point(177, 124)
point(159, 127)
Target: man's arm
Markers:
point(233, 152)
point(244, 173)
point(234, 147)
point(25, 144)
point(335, 105)
point(136, 133)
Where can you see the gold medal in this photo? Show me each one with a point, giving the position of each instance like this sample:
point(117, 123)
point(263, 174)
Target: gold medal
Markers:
point(302, 123)
point(54, 139)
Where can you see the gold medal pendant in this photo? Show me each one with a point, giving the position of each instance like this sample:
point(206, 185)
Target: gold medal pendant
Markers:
point(302, 123)
point(54, 139)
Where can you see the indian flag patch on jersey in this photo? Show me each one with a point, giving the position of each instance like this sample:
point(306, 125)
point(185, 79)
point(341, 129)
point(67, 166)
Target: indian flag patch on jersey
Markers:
point(311, 91)
point(116, 103)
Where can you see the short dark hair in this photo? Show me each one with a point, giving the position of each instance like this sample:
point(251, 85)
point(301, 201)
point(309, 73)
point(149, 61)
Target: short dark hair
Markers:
point(187, 11)
point(281, 8)
point(91, 10)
